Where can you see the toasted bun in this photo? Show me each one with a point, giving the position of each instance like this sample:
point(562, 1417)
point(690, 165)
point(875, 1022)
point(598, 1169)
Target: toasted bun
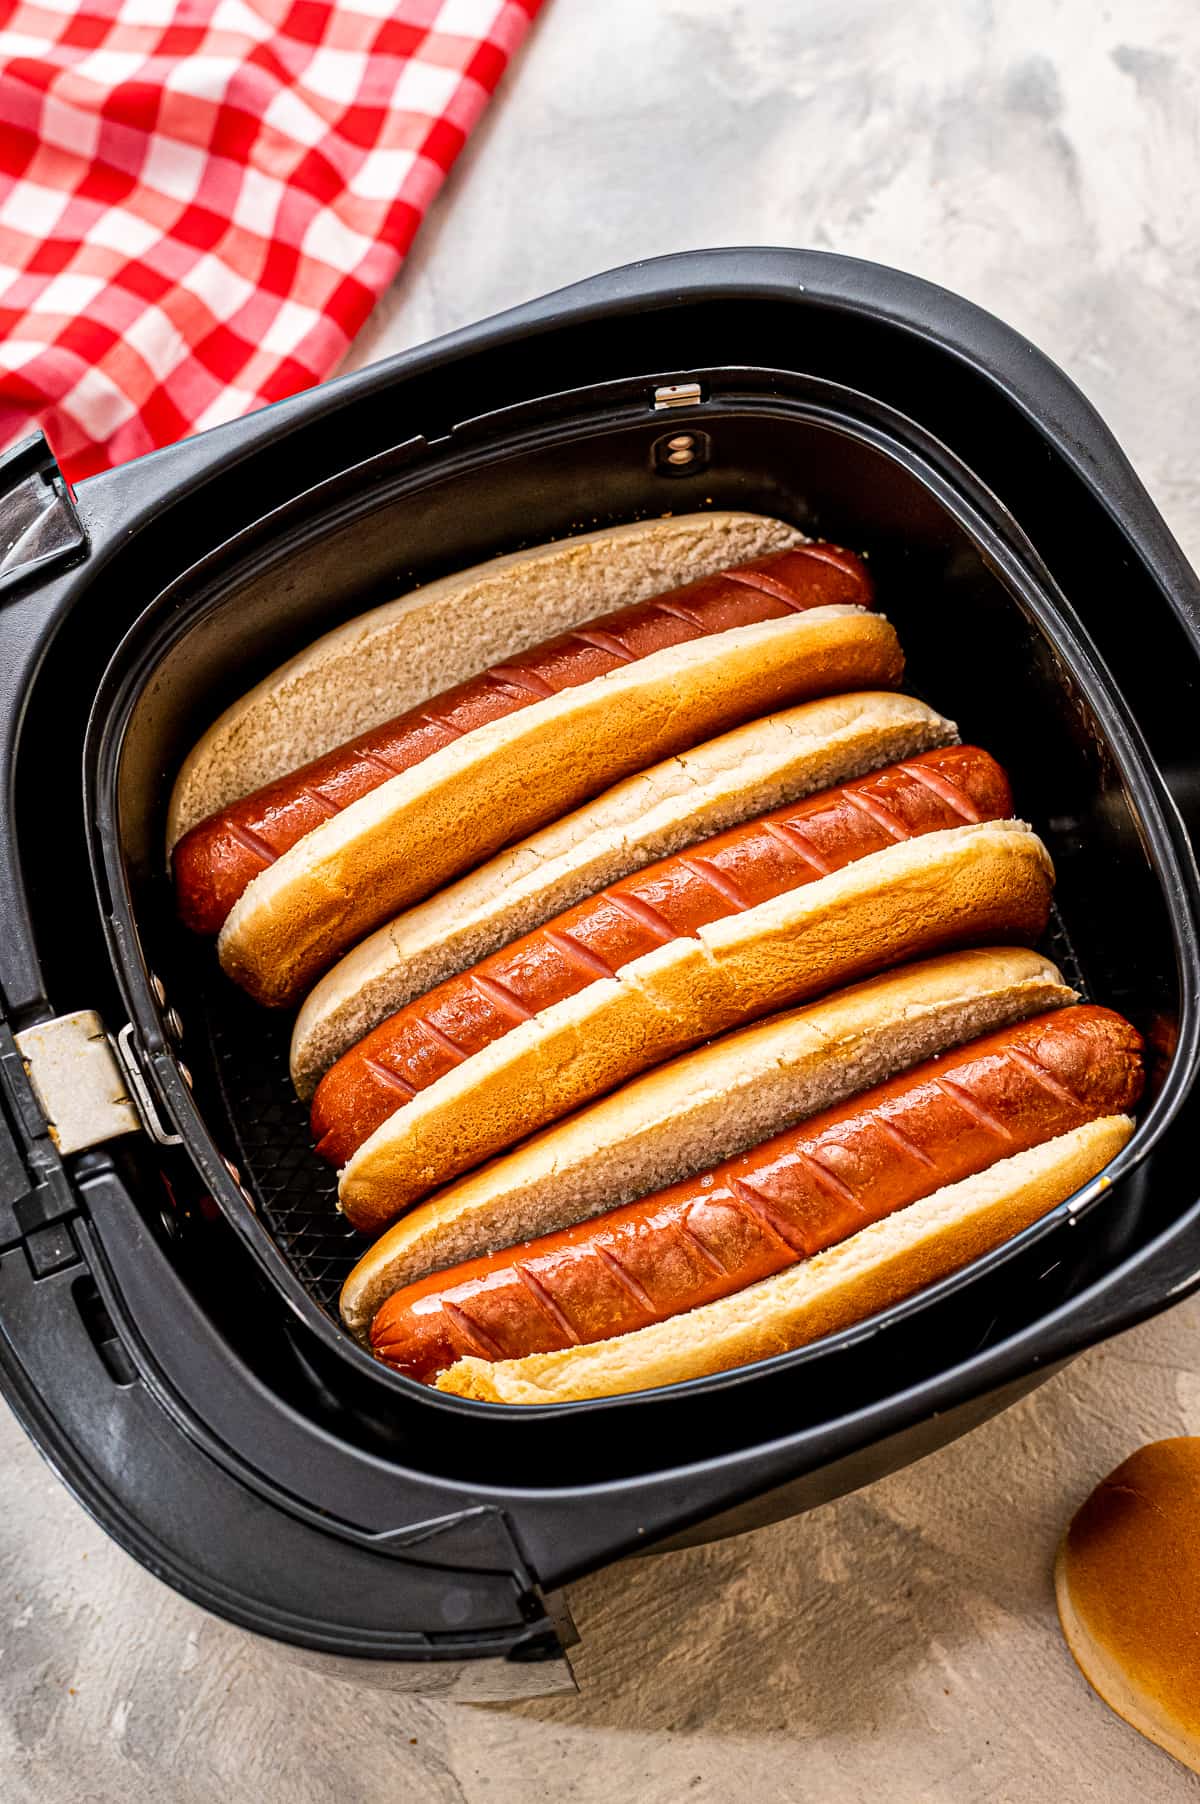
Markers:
point(868, 1272)
point(404, 839)
point(386, 661)
point(659, 811)
point(704, 1107)
point(1128, 1585)
point(974, 883)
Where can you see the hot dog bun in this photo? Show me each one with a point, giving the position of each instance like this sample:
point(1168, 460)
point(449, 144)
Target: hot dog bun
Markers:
point(970, 884)
point(214, 864)
point(1128, 1585)
point(869, 1271)
point(391, 658)
point(704, 1107)
point(779, 1203)
point(659, 811)
point(734, 872)
point(403, 840)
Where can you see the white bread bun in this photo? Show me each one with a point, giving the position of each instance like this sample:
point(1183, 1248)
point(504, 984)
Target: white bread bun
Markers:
point(977, 883)
point(684, 799)
point(388, 660)
point(1128, 1585)
point(873, 1269)
point(404, 839)
point(704, 1107)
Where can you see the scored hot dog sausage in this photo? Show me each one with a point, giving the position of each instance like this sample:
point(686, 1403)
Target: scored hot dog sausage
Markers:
point(789, 1198)
point(215, 861)
point(736, 870)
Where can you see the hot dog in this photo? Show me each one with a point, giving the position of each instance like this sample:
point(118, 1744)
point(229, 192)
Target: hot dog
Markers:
point(681, 1250)
point(969, 884)
point(877, 1267)
point(404, 837)
point(705, 1106)
point(674, 804)
point(391, 658)
point(733, 873)
point(219, 857)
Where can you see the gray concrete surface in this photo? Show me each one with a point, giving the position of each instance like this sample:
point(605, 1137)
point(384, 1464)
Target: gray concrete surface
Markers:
point(1040, 156)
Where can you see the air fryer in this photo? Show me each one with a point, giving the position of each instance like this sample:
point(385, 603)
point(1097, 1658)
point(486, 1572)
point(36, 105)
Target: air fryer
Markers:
point(170, 1255)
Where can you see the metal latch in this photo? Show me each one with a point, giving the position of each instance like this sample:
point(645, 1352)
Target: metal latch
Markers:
point(677, 394)
point(89, 1089)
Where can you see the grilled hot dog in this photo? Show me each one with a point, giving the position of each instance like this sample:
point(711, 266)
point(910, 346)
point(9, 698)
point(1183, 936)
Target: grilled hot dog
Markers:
point(666, 808)
point(218, 858)
point(790, 1198)
point(726, 875)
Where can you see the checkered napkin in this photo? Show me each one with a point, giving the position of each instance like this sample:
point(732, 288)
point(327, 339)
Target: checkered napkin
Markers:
point(200, 200)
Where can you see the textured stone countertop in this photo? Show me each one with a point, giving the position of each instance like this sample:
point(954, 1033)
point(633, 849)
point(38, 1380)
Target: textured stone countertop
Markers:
point(1043, 158)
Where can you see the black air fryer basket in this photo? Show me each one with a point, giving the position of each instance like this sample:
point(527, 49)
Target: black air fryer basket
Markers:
point(168, 1322)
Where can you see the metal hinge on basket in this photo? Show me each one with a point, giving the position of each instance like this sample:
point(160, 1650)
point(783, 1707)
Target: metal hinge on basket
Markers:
point(89, 1086)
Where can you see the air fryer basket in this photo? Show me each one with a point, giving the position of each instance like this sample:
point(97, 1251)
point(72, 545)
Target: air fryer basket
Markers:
point(167, 1320)
point(974, 609)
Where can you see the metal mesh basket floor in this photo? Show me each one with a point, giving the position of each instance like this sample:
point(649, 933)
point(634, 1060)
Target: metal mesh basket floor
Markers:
point(295, 1191)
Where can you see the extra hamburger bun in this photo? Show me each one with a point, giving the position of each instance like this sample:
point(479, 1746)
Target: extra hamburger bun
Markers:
point(970, 884)
point(390, 659)
point(873, 1269)
point(1128, 1586)
point(704, 1107)
point(684, 799)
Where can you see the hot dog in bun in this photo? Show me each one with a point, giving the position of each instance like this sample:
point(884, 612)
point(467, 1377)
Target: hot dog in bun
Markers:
point(674, 804)
point(809, 1231)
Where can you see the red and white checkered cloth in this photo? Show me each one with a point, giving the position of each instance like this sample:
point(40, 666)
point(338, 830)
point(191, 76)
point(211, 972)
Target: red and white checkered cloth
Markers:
point(200, 200)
